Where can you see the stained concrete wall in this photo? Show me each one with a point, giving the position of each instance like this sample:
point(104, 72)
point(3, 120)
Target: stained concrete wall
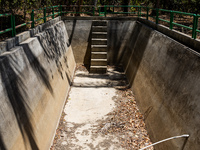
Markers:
point(8, 44)
point(35, 78)
point(164, 76)
point(79, 32)
point(178, 36)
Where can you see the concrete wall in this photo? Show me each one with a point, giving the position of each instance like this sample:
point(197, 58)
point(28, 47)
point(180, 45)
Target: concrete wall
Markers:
point(79, 31)
point(35, 78)
point(178, 36)
point(164, 76)
point(8, 44)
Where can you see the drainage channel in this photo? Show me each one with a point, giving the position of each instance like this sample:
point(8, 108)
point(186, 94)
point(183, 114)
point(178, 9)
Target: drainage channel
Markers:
point(101, 113)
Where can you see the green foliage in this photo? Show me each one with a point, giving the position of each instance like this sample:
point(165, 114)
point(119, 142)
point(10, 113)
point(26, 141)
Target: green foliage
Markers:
point(26, 5)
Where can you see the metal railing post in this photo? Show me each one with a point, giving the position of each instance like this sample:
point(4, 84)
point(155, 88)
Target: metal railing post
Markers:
point(32, 19)
point(13, 25)
point(11, 17)
point(45, 18)
point(60, 9)
point(99, 10)
point(157, 13)
point(53, 12)
point(93, 10)
point(194, 28)
point(197, 21)
point(147, 17)
point(75, 10)
point(171, 19)
point(105, 10)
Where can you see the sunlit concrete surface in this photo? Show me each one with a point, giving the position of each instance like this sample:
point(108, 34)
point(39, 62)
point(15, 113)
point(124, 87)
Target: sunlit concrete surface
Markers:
point(91, 98)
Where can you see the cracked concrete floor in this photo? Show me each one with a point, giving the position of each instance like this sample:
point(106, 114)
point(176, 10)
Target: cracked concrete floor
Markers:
point(91, 99)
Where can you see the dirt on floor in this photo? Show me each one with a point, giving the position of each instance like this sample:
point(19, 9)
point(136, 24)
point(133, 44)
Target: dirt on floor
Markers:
point(127, 122)
point(122, 128)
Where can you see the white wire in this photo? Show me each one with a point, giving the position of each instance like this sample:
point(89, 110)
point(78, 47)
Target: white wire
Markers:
point(175, 137)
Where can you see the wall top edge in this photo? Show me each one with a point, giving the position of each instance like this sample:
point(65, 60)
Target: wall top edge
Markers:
point(99, 18)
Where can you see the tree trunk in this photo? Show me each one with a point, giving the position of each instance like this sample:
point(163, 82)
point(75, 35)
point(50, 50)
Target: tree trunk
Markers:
point(125, 2)
point(165, 2)
point(95, 2)
point(101, 2)
point(156, 5)
point(80, 2)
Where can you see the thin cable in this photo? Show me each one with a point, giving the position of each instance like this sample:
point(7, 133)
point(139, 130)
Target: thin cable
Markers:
point(175, 137)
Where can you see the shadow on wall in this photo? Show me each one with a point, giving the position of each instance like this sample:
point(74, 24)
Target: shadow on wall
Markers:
point(116, 36)
point(54, 47)
point(54, 43)
point(16, 92)
point(123, 37)
point(72, 33)
point(2, 145)
point(37, 68)
point(135, 52)
point(87, 58)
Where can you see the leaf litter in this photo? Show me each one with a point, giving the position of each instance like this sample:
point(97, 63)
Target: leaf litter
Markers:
point(127, 122)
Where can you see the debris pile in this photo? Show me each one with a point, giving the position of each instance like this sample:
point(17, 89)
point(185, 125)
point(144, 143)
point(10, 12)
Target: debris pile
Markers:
point(127, 122)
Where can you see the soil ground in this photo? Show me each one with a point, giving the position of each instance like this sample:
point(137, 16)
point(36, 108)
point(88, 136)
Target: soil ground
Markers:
point(101, 113)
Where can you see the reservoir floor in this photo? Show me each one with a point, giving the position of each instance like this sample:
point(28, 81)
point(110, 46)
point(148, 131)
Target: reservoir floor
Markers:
point(101, 113)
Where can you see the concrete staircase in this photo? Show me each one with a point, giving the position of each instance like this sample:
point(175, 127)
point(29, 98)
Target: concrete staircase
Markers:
point(99, 47)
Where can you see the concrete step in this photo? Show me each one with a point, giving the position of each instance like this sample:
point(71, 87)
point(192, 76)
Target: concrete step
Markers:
point(99, 48)
point(99, 23)
point(102, 35)
point(98, 62)
point(99, 55)
point(98, 69)
point(99, 41)
point(99, 28)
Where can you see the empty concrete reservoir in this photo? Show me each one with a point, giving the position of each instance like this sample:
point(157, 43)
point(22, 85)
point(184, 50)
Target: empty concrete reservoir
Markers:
point(37, 70)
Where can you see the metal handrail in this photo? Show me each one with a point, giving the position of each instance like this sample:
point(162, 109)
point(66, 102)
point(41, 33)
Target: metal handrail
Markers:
point(12, 24)
point(137, 11)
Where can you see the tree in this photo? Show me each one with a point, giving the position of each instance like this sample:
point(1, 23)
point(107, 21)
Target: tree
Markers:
point(95, 2)
point(125, 2)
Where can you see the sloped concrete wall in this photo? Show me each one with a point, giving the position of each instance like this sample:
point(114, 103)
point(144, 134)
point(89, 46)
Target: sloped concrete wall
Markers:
point(8, 44)
point(79, 32)
point(35, 78)
point(120, 33)
point(164, 76)
point(176, 35)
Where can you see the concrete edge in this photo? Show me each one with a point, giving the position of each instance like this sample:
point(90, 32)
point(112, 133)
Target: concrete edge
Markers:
point(176, 35)
point(188, 48)
point(21, 37)
point(99, 18)
point(63, 105)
